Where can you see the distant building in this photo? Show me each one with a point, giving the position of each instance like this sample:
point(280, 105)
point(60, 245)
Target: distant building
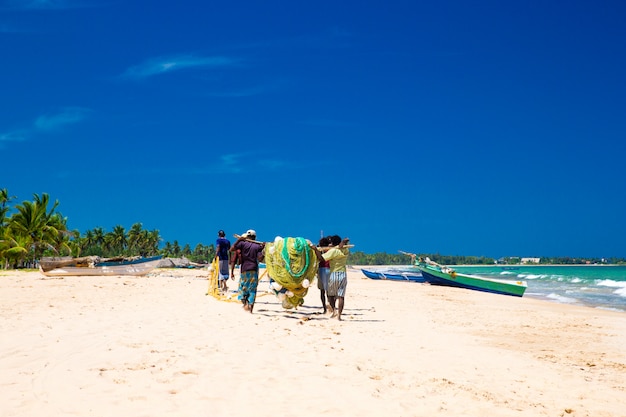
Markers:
point(508, 260)
point(530, 260)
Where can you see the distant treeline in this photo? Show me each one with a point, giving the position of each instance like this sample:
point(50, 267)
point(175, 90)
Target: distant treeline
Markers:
point(33, 229)
point(382, 258)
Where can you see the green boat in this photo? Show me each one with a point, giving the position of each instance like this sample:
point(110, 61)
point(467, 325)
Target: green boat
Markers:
point(436, 274)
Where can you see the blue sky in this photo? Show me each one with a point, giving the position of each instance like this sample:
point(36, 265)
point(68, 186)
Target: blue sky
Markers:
point(462, 128)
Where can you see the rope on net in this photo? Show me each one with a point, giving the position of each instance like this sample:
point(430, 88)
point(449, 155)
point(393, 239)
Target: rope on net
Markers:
point(292, 264)
point(214, 287)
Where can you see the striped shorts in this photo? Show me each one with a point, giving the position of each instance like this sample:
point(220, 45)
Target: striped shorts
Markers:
point(337, 283)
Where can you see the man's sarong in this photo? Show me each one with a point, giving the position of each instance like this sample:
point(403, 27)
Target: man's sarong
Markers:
point(247, 286)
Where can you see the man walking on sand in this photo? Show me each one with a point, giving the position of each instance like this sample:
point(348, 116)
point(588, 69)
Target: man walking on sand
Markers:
point(251, 254)
point(323, 272)
point(337, 255)
point(222, 247)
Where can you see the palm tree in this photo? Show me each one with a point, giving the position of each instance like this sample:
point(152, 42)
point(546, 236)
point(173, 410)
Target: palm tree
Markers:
point(44, 228)
point(167, 249)
point(152, 242)
point(175, 249)
point(63, 243)
point(135, 236)
point(203, 253)
point(15, 249)
point(4, 209)
point(98, 236)
point(98, 244)
point(117, 240)
point(77, 244)
point(87, 242)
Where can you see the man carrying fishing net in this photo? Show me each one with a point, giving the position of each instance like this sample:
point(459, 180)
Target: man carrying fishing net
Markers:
point(338, 279)
point(251, 254)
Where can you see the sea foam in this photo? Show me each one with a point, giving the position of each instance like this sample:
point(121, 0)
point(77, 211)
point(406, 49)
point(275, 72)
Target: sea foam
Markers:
point(611, 283)
point(562, 299)
point(621, 292)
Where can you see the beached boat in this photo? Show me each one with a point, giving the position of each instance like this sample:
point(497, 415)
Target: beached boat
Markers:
point(437, 274)
point(94, 265)
point(415, 276)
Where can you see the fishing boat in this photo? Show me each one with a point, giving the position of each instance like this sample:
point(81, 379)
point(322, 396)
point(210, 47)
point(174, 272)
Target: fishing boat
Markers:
point(390, 275)
point(437, 274)
point(96, 266)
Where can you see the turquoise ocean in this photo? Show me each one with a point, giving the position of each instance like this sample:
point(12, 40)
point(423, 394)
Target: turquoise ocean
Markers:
point(598, 286)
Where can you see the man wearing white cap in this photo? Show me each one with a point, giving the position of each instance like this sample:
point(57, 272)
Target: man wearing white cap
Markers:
point(251, 254)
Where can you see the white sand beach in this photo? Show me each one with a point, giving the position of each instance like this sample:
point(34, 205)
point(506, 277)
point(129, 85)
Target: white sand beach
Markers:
point(159, 346)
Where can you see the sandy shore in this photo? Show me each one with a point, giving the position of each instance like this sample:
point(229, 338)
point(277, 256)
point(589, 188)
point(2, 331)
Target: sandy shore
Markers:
point(159, 346)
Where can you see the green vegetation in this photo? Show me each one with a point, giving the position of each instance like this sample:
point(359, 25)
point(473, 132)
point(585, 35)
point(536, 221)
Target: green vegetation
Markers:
point(381, 258)
point(35, 229)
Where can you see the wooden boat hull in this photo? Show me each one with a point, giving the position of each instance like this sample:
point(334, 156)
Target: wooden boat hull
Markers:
point(394, 276)
point(434, 275)
point(136, 267)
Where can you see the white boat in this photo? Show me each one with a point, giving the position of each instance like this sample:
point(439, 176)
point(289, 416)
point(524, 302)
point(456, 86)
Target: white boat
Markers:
point(94, 266)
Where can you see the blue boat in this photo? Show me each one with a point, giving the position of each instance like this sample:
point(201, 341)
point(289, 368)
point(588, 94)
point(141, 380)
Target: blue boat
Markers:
point(391, 275)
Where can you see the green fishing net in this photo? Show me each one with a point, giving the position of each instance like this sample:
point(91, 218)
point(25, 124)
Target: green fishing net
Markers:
point(293, 265)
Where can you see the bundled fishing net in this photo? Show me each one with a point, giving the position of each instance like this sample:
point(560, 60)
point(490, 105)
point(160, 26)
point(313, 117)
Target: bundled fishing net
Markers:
point(292, 264)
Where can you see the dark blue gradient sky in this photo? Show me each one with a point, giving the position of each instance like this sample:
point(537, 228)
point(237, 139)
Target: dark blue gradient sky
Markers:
point(471, 128)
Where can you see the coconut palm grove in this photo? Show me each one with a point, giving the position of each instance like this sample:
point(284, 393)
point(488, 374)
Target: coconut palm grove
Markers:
point(34, 229)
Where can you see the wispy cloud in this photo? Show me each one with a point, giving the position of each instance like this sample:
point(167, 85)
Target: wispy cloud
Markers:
point(227, 164)
point(233, 163)
point(239, 163)
point(13, 136)
point(67, 116)
point(273, 164)
point(46, 123)
point(258, 163)
point(159, 66)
